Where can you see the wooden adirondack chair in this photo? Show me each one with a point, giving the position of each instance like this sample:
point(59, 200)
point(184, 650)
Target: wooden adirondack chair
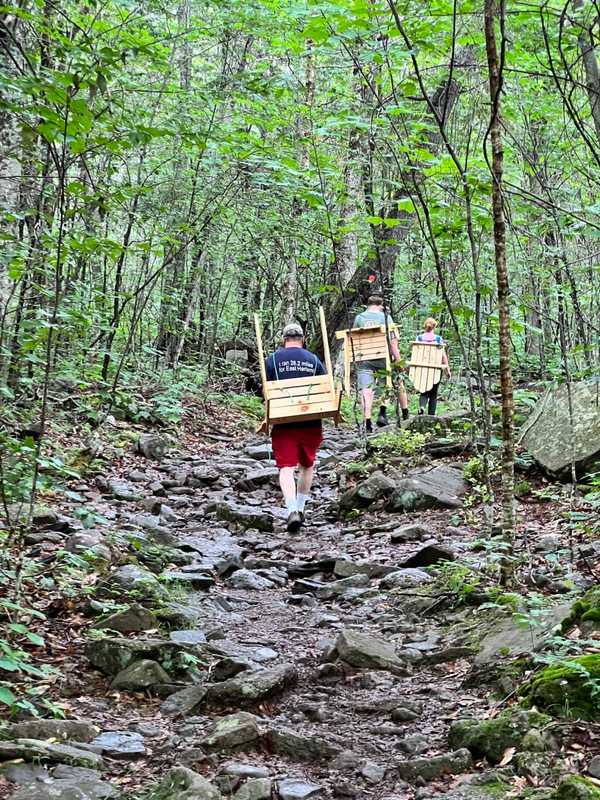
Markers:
point(425, 365)
point(365, 344)
point(299, 399)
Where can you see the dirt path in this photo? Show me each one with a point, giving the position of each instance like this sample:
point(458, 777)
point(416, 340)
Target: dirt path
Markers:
point(351, 675)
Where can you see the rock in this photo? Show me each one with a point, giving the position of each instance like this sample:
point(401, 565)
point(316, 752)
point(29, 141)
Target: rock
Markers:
point(431, 553)
point(440, 487)
point(257, 789)
point(297, 747)
point(221, 554)
point(66, 789)
point(21, 773)
point(403, 714)
point(41, 752)
point(373, 773)
point(492, 737)
point(256, 478)
point(576, 787)
point(344, 568)
point(181, 783)
point(132, 619)
point(375, 487)
point(92, 542)
point(245, 770)
point(141, 674)
point(410, 533)
point(433, 767)
point(405, 579)
point(153, 446)
point(260, 452)
point(367, 652)
point(547, 434)
point(297, 789)
point(246, 579)
point(65, 729)
point(548, 543)
point(197, 580)
point(121, 490)
point(509, 639)
point(594, 767)
point(238, 357)
point(190, 637)
point(120, 744)
point(131, 579)
point(152, 505)
point(233, 732)
point(246, 516)
point(567, 688)
point(249, 687)
point(113, 654)
point(205, 475)
point(184, 702)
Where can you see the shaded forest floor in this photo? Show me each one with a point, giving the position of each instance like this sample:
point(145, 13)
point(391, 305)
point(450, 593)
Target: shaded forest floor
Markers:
point(351, 649)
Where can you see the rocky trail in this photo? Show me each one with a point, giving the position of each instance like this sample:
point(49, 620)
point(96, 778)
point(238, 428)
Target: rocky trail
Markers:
point(209, 654)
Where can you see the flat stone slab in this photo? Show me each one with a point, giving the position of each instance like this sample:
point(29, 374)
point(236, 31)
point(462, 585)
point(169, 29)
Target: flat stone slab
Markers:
point(368, 652)
point(40, 752)
point(253, 685)
point(120, 744)
point(297, 789)
point(440, 487)
point(508, 639)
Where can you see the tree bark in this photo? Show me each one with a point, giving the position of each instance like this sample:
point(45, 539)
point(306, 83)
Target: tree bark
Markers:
point(590, 66)
point(492, 10)
point(303, 132)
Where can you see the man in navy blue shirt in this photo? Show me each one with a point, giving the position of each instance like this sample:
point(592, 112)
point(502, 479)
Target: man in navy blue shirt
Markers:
point(295, 444)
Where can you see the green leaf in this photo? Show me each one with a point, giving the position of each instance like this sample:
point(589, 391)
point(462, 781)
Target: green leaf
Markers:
point(6, 696)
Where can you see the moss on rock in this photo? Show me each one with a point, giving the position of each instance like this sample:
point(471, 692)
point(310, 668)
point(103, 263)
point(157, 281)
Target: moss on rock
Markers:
point(490, 738)
point(586, 609)
point(570, 688)
point(574, 787)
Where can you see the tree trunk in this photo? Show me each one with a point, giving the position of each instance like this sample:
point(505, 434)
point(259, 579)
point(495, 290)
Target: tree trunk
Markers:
point(497, 166)
point(590, 66)
point(303, 132)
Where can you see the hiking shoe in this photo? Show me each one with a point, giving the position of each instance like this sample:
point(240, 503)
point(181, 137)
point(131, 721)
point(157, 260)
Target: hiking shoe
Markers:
point(368, 426)
point(382, 420)
point(405, 413)
point(294, 521)
point(421, 412)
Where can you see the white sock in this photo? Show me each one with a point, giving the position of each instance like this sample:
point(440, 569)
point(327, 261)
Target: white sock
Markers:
point(291, 504)
point(302, 498)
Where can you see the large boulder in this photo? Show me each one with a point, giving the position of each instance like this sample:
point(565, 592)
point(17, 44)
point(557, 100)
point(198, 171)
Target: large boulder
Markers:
point(491, 738)
point(440, 487)
point(567, 688)
point(547, 434)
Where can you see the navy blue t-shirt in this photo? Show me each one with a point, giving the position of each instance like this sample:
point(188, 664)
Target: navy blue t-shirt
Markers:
point(294, 362)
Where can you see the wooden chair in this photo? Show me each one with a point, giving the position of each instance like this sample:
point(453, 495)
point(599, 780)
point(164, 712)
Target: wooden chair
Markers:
point(365, 344)
point(426, 365)
point(299, 399)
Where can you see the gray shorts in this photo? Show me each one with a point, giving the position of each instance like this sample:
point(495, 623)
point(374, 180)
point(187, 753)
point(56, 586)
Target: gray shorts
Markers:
point(371, 374)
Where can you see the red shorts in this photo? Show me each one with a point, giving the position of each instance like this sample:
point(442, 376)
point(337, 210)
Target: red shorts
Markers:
point(296, 445)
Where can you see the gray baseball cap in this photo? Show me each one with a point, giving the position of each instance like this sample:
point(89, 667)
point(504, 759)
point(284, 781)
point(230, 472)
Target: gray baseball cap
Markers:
point(292, 331)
